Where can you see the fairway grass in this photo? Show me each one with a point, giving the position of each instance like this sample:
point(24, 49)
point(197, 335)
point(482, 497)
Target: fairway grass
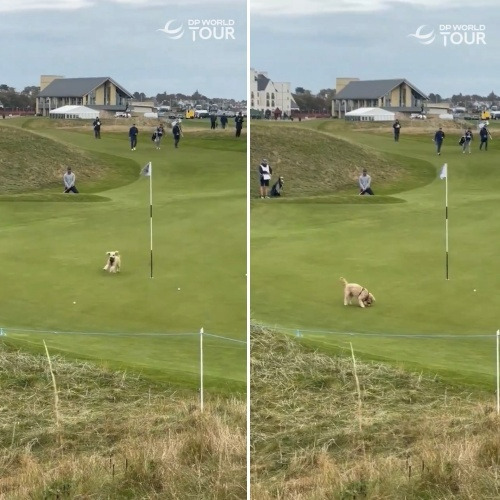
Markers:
point(54, 248)
point(301, 245)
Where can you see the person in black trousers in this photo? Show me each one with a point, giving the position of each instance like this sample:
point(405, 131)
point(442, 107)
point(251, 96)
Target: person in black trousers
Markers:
point(239, 123)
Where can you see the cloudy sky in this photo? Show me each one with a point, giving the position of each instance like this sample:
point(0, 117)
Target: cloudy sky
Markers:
point(120, 39)
point(311, 43)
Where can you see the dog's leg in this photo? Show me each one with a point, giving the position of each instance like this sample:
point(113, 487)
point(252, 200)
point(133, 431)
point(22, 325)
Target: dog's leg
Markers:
point(361, 303)
point(346, 297)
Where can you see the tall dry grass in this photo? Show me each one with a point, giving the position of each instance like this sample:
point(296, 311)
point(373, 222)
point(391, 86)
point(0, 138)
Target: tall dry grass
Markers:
point(419, 438)
point(118, 436)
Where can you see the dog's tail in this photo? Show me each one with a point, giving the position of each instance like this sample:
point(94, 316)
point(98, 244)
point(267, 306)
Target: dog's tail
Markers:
point(344, 281)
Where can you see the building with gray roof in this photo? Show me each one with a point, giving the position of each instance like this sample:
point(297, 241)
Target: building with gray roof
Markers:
point(100, 93)
point(396, 95)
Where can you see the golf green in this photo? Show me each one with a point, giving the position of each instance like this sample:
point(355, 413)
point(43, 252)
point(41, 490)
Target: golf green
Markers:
point(395, 247)
point(54, 249)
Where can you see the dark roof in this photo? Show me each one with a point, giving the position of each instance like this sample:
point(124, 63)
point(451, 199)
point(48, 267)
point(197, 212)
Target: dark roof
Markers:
point(77, 87)
point(372, 89)
point(262, 82)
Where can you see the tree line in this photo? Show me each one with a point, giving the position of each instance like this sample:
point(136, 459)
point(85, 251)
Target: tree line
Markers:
point(25, 99)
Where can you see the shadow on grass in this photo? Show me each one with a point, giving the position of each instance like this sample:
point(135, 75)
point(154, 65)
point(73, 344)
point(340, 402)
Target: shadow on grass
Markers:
point(55, 197)
point(347, 199)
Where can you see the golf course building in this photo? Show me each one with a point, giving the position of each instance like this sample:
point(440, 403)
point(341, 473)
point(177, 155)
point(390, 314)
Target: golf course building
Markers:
point(267, 95)
point(396, 95)
point(99, 93)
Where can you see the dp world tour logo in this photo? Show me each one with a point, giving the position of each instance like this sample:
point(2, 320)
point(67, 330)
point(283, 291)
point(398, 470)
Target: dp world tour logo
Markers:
point(201, 29)
point(172, 33)
point(424, 38)
point(452, 34)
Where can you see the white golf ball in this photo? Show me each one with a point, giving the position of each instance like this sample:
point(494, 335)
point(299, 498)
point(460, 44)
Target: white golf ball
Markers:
point(74, 302)
point(178, 289)
point(475, 290)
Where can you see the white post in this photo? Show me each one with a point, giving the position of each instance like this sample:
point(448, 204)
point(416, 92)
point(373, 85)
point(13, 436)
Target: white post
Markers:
point(151, 216)
point(498, 372)
point(201, 370)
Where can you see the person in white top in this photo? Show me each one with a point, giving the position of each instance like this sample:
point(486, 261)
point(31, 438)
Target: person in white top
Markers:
point(265, 172)
point(365, 182)
point(69, 181)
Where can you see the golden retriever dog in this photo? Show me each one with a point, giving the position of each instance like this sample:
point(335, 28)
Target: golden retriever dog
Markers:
point(113, 263)
point(353, 290)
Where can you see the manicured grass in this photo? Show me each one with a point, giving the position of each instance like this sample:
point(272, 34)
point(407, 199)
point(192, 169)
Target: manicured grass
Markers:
point(53, 250)
point(301, 245)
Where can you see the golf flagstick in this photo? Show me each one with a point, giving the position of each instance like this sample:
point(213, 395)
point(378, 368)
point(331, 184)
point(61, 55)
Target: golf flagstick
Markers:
point(147, 171)
point(444, 175)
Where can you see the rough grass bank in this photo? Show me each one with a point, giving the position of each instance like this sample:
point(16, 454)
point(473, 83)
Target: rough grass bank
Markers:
point(331, 427)
point(112, 435)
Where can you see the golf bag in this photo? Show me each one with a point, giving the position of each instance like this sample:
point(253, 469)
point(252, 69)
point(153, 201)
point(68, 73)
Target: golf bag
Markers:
point(461, 141)
point(277, 187)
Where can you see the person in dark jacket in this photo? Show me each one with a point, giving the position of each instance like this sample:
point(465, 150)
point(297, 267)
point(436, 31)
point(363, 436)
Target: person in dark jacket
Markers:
point(397, 129)
point(223, 120)
point(132, 134)
point(97, 128)
point(176, 132)
point(438, 139)
point(484, 134)
point(238, 121)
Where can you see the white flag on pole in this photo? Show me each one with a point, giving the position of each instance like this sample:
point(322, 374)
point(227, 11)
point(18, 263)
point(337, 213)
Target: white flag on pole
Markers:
point(146, 171)
point(444, 171)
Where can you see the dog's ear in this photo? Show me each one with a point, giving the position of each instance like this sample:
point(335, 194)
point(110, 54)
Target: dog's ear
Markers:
point(116, 252)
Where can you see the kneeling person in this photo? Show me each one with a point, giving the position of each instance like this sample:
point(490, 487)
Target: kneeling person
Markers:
point(69, 181)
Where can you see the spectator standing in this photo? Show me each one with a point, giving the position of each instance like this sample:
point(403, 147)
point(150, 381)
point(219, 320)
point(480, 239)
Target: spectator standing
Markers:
point(397, 129)
point(265, 173)
point(238, 121)
point(132, 133)
point(223, 120)
point(157, 135)
point(467, 141)
point(176, 132)
point(69, 181)
point(484, 134)
point(438, 139)
point(97, 128)
point(213, 121)
point(365, 182)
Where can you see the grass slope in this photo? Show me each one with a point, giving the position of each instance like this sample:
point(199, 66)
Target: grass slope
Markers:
point(33, 163)
point(325, 427)
point(115, 435)
point(54, 249)
point(300, 248)
point(316, 163)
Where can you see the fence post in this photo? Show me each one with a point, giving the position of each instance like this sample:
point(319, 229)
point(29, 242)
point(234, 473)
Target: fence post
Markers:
point(201, 370)
point(498, 372)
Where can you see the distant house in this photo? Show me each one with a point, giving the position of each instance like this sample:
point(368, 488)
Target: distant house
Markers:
point(267, 95)
point(438, 108)
point(99, 93)
point(397, 95)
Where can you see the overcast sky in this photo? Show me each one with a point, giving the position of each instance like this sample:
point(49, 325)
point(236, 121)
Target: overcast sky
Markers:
point(311, 43)
point(120, 39)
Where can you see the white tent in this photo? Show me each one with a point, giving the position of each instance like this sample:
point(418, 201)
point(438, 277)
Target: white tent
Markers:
point(74, 112)
point(370, 115)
